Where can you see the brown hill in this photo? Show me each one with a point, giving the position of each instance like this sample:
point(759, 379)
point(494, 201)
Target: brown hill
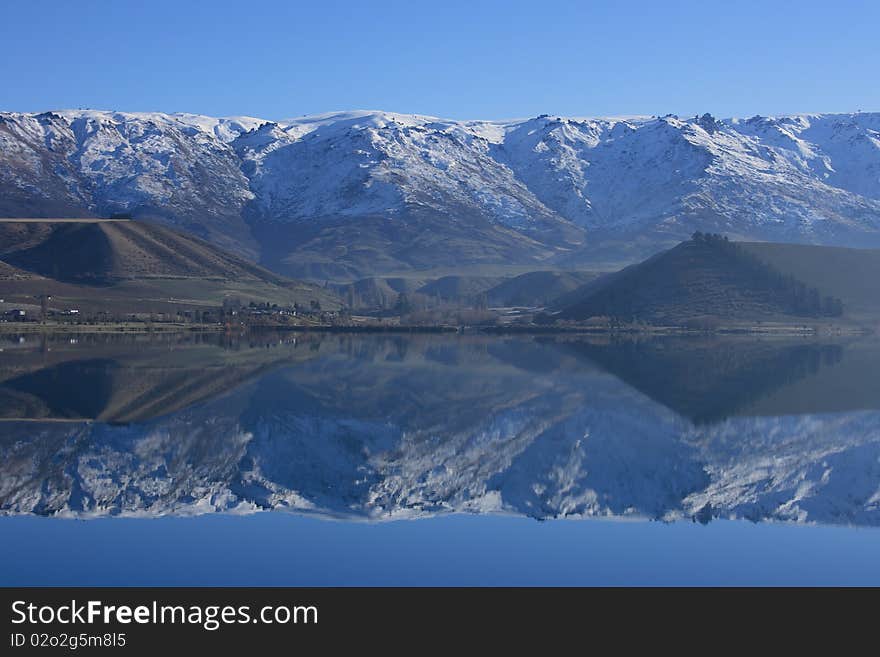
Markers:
point(106, 251)
point(95, 262)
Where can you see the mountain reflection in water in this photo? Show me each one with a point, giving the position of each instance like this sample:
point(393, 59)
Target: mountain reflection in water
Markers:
point(393, 426)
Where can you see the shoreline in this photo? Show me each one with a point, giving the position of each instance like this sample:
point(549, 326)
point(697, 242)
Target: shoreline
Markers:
point(784, 330)
point(36, 327)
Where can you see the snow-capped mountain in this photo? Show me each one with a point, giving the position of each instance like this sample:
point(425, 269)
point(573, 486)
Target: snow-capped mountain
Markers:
point(357, 193)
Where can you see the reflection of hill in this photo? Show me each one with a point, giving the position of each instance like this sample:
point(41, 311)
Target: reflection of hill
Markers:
point(130, 386)
point(708, 380)
point(852, 383)
point(72, 390)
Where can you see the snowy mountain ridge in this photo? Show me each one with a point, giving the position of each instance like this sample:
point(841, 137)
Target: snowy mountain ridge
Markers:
point(544, 189)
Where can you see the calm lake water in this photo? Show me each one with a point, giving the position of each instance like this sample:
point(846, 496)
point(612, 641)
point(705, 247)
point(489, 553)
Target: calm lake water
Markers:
point(314, 459)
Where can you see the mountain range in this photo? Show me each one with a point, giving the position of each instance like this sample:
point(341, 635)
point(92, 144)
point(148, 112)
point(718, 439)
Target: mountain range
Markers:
point(347, 195)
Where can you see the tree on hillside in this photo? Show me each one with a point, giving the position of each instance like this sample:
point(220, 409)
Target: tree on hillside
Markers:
point(403, 304)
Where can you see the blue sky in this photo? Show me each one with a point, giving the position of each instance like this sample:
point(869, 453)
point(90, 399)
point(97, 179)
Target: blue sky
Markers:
point(453, 59)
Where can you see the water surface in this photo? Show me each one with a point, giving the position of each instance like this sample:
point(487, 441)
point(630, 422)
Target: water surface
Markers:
point(433, 459)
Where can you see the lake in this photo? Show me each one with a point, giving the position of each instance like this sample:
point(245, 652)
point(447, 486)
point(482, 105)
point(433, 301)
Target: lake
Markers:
point(344, 459)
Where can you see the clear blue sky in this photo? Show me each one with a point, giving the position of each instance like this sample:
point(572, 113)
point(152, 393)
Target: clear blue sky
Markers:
point(448, 58)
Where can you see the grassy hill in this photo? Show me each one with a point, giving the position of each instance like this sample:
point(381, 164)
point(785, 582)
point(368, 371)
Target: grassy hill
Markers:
point(372, 293)
point(495, 288)
point(537, 288)
point(10, 273)
point(128, 266)
point(459, 288)
point(709, 278)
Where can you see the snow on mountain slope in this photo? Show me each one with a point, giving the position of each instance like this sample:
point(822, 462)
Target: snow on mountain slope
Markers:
point(841, 150)
point(674, 176)
point(85, 163)
point(544, 187)
point(381, 163)
point(604, 173)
